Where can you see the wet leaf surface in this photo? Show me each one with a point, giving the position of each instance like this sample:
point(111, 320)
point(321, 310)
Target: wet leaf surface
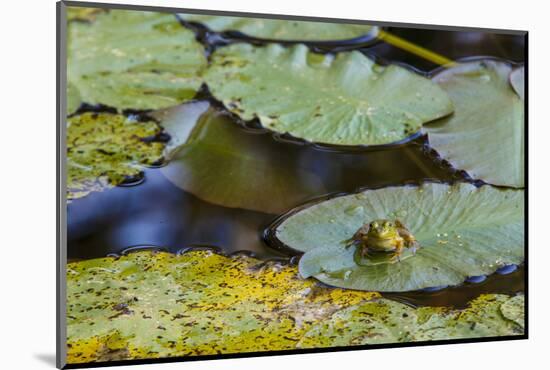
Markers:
point(154, 304)
point(134, 60)
point(485, 135)
point(345, 99)
point(462, 231)
point(105, 150)
point(280, 29)
point(234, 168)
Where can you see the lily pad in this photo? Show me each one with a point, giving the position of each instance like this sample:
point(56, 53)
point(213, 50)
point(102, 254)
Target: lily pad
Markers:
point(83, 14)
point(485, 135)
point(105, 150)
point(462, 231)
point(514, 309)
point(384, 321)
point(150, 305)
point(134, 60)
point(154, 305)
point(517, 79)
point(224, 164)
point(73, 99)
point(281, 29)
point(342, 99)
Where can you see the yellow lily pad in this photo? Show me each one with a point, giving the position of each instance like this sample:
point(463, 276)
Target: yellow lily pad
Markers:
point(154, 304)
point(105, 150)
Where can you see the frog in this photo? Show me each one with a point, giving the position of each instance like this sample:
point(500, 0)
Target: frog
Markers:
point(383, 236)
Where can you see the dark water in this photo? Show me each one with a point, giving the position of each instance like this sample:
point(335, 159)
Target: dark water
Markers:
point(158, 213)
point(451, 44)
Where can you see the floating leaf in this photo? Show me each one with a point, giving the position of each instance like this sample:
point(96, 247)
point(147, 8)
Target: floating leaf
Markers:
point(514, 309)
point(517, 79)
point(82, 14)
point(226, 165)
point(147, 305)
point(385, 321)
point(73, 99)
point(462, 231)
point(105, 150)
point(134, 60)
point(343, 99)
point(153, 305)
point(281, 29)
point(485, 135)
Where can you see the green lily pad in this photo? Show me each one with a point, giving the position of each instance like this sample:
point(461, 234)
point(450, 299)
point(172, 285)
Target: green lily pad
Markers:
point(342, 99)
point(226, 165)
point(517, 80)
point(485, 135)
point(281, 29)
point(105, 150)
point(514, 309)
point(134, 60)
point(152, 305)
point(462, 231)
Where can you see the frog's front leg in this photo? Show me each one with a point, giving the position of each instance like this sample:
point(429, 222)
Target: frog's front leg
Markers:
point(399, 245)
point(360, 237)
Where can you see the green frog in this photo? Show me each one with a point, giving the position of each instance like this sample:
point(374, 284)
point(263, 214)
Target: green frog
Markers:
point(383, 236)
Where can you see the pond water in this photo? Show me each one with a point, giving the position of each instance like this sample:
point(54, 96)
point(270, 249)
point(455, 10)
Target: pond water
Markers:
point(159, 213)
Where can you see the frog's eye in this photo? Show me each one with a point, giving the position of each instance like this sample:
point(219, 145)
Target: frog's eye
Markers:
point(374, 224)
point(388, 224)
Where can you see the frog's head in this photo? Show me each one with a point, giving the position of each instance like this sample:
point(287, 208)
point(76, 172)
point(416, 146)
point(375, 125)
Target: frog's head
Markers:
point(382, 229)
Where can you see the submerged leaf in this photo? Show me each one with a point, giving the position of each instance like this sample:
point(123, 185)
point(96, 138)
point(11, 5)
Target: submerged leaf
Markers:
point(154, 305)
point(179, 122)
point(226, 165)
point(132, 59)
point(105, 150)
point(281, 29)
point(462, 231)
point(485, 135)
point(343, 99)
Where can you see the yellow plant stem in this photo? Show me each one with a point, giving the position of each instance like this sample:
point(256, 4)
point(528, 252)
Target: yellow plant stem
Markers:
point(415, 49)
